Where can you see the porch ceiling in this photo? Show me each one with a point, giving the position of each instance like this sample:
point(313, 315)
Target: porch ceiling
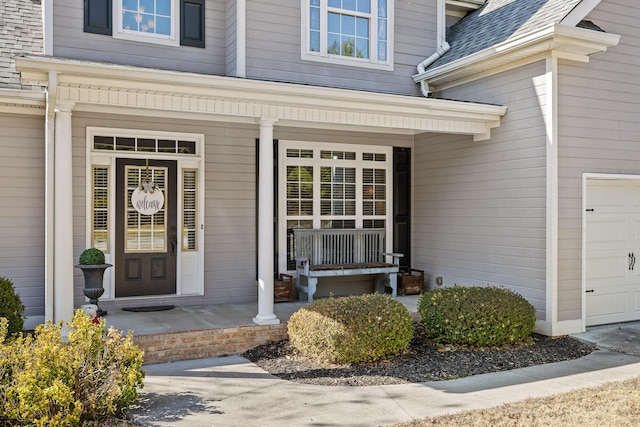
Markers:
point(91, 86)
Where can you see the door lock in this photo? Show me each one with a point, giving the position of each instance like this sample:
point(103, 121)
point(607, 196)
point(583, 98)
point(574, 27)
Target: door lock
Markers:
point(174, 244)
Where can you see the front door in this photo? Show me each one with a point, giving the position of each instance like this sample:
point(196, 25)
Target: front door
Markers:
point(146, 245)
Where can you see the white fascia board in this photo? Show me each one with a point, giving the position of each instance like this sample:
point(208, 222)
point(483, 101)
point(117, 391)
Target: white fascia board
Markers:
point(152, 81)
point(569, 42)
point(19, 101)
point(579, 12)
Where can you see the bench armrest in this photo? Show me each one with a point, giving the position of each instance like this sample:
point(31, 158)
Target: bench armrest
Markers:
point(396, 256)
point(302, 263)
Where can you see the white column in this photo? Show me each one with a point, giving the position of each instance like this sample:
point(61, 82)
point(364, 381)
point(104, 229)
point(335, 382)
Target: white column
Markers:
point(63, 216)
point(265, 314)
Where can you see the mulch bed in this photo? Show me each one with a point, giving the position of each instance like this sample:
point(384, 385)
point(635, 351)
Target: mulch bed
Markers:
point(423, 361)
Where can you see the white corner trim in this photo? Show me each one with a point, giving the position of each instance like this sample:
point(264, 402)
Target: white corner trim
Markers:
point(47, 26)
point(558, 329)
point(551, 124)
point(17, 101)
point(579, 12)
point(241, 38)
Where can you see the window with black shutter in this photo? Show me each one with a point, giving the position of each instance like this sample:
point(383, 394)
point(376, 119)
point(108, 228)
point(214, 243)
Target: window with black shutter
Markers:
point(97, 16)
point(192, 23)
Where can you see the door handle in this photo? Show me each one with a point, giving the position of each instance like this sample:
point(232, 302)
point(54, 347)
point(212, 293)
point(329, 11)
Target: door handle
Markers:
point(174, 244)
point(632, 261)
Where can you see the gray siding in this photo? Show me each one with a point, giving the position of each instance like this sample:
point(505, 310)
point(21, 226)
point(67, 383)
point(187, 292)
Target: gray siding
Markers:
point(22, 217)
point(479, 207)
point(599, 106)
point(70, 41)
point(274, 38)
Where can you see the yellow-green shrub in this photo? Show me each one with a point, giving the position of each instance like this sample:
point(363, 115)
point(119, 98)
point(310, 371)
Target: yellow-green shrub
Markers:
point(477, 316)
point(351, 329)
point(46, 380)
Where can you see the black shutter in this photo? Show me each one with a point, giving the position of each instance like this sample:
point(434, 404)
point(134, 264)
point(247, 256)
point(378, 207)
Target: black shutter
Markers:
point(97, 16)
point(192, 23)
point(402, 204)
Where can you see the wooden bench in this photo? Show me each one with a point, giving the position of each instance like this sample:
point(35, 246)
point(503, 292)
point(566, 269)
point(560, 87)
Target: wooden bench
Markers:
point(330, 253)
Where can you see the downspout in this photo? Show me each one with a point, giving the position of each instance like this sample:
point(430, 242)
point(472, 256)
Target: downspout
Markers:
point(424, 85)
point(443, 46)
point(49, 293)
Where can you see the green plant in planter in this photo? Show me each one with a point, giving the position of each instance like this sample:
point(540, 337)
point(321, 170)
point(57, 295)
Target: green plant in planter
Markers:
point(91, 256)
point(92, 264)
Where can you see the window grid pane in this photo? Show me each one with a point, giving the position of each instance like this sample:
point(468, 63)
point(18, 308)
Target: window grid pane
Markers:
point(189, 210)
point(145, 232)
point(337, 191)
point(374, 192)
point(144, 145)
point(100, 208)
point(299, 187)
point(147, 16)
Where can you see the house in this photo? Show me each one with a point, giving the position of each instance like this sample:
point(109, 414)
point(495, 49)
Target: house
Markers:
point(494, 140)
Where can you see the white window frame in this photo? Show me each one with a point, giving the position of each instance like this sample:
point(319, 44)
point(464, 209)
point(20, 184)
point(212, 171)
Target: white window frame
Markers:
point(172, 40)
point(316, 161)
point(324, 56)
point(190, 264)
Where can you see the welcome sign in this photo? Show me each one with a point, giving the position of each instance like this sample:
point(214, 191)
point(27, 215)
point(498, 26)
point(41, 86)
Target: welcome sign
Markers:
point(147, 198)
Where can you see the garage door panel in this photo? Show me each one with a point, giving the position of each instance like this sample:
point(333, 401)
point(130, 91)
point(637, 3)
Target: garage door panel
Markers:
point(609, 266)
point(610, 304)
point(607, 194)
point(607, 232)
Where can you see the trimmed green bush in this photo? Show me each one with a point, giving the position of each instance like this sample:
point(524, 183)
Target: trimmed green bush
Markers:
point(91, 256)
point(47, 380)
point(476, 316)
point(351, 329)
point(11, 307)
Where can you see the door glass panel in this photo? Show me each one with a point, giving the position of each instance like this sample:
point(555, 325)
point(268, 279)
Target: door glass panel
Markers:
point(145, 233)
point(189, 209)
point(100, 227)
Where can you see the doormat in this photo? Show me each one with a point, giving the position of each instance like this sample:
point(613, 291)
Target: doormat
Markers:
point(149, 308)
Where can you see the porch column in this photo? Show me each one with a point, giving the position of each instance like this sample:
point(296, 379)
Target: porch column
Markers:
point(63, 216)
point(265, 315)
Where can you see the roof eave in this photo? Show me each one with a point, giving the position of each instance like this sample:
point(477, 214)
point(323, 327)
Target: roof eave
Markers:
point(572, 43)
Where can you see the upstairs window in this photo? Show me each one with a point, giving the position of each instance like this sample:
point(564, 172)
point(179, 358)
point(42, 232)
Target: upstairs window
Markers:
point(355, 32)
point(169, 22)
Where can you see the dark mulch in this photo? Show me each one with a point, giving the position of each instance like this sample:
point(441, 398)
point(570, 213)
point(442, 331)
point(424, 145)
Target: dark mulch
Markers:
point(423, 361)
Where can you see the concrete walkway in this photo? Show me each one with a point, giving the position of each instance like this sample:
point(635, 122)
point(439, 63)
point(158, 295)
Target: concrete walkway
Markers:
point(231, 391)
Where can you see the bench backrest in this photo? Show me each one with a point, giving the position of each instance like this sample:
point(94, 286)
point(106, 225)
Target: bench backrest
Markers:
point(344, 246)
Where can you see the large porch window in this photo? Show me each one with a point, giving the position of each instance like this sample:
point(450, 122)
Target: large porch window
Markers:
point(331, 186)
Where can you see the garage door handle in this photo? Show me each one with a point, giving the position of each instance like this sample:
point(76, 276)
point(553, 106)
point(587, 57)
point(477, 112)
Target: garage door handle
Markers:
point(632, 261)
point(590, 291)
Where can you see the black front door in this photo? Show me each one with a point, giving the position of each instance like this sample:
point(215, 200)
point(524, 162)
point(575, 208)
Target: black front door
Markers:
point(146, 245)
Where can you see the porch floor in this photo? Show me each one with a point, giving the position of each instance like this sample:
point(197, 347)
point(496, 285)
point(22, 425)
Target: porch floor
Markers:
point(197, 332)
point(216, 316)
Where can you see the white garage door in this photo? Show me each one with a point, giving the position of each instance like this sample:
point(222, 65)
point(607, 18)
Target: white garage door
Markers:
point(612, 251)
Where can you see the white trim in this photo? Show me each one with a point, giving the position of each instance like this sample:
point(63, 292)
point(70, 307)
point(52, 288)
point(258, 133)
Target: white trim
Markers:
point(563, 41)
point(47, 27)
point(241, 38)
point(558, 329)
point(18, 101)
point(579, 12)
point(316, 218)
point(372, 62)
point(108, 158)
point(98, 86)
point(171, 40)
point(551, 124)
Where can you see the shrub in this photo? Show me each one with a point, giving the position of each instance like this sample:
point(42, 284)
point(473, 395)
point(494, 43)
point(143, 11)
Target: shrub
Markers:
point(476, 316)
point(46, 380)
point(351, 329)
point(11, 307)
point(91, 256)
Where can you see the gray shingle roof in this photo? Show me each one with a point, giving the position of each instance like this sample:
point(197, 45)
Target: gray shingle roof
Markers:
point(20, 33)
point(501, 20)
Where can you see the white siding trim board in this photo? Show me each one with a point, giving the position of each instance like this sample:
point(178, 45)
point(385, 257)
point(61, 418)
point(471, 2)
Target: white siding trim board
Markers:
point(16, 101)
